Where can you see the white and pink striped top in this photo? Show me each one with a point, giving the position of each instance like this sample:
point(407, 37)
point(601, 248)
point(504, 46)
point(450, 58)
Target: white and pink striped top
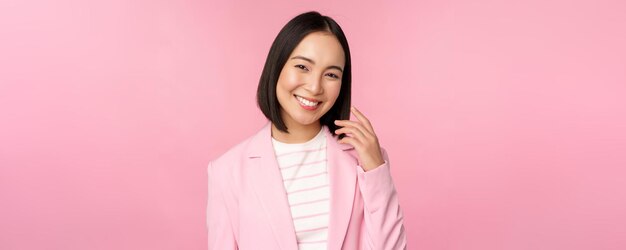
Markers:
point(305, 177)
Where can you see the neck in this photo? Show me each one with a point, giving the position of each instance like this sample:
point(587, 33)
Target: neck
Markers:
point(298, 133)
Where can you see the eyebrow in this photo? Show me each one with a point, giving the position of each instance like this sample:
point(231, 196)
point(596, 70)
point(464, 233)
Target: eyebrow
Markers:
point(313, 62)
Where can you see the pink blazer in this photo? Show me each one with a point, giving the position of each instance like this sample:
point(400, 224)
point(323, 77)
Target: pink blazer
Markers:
point(248, 208)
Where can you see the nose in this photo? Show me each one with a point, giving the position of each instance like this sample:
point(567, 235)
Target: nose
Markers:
point(314, 85)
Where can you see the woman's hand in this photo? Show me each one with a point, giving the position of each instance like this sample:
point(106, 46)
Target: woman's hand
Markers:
point(360, 134)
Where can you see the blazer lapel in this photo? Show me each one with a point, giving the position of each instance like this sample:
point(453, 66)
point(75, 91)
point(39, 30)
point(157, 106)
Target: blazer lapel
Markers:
point(342, 175)
point(268, 185)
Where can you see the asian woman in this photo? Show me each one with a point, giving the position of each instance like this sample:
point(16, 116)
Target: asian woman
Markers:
point(311, 178)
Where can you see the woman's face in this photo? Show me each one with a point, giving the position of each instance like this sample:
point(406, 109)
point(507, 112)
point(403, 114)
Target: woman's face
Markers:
point(310, 81)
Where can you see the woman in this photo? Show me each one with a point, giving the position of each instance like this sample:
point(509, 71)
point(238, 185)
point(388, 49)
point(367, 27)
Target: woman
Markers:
point(310, 178)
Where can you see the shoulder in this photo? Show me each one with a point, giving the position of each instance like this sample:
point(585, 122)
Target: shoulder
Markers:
point(232, 156)
point(225, 171)
point(235, 157)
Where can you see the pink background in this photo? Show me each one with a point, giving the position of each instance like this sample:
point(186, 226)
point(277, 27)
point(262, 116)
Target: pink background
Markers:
point(505, 121)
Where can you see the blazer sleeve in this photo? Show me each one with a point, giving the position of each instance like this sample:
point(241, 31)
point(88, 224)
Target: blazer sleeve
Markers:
point(220, 230)
point(384, 221)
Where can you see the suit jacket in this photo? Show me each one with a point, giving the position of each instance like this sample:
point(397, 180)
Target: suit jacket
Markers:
point(248, 208)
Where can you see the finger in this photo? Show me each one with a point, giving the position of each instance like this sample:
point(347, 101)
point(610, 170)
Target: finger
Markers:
point(351, 141)
point(363, 119)
point(356, 133)
point(348, 123)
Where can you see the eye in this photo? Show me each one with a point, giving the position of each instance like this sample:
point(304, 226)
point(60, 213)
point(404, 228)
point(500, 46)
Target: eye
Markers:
point(333, 75)
point(300, 66)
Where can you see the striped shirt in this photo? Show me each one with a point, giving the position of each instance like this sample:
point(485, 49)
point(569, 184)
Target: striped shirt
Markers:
point(305, 177)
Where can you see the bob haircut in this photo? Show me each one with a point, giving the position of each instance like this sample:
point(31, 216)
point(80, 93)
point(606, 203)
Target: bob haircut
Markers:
point(284, 43)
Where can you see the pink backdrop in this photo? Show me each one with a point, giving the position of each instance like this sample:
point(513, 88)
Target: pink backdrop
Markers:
point(505, 120)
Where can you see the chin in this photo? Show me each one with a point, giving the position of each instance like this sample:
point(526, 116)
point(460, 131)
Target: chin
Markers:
point(306, 121)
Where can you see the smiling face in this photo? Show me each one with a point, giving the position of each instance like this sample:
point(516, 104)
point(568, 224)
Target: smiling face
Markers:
point(310, 81)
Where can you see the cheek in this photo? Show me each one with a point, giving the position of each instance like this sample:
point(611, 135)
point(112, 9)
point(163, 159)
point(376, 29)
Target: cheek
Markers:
point(288, 81)
point(333, 90)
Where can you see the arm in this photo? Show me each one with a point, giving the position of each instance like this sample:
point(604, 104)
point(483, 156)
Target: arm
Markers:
point(383, 216)
point(220, 231)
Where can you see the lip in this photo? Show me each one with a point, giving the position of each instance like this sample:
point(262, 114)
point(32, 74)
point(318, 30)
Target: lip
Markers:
point(304, 106)
point(308, 99)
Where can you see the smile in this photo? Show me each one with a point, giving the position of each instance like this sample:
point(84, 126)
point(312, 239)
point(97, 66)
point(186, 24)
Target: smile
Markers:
point(307, 104)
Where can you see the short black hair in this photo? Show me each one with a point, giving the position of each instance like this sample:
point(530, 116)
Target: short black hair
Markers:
point(284, 43)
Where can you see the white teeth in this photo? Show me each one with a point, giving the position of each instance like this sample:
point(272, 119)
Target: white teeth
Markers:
point(306, 102)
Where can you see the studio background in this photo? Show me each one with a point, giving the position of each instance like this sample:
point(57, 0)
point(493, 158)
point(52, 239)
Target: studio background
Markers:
point(504, 120)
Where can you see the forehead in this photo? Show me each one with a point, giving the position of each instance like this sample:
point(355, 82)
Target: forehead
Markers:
point(322, 47)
